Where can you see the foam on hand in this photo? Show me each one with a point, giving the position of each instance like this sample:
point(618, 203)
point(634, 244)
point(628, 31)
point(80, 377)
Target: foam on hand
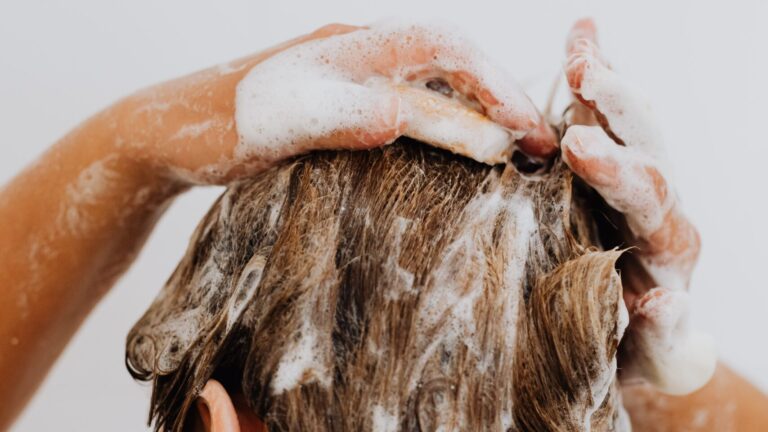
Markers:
point(664, 349)
point(295, 100)
point(661, 346)
point(626, 110)
point(434, 119)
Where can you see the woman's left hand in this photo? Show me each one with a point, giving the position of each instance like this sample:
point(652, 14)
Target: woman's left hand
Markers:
point(615, 147)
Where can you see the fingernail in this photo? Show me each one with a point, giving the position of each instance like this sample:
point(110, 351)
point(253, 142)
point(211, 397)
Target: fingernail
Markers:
point(572, 143)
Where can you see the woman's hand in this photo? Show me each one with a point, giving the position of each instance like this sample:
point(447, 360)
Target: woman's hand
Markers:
point(615, 147)
point(337, 88)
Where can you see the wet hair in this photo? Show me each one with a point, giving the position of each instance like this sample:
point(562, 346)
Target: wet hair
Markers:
point(401, 288)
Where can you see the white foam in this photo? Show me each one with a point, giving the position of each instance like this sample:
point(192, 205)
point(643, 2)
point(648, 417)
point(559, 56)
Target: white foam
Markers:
point(300, 363)
point(628, 112)
point(318, 88)
point(437, 120)
point(525, 228)
point(456, 295)
point(173, 337)
point(400, 280)
point(670, 276)
point(194, 130)
point(632, 190)
point(383, 420)
point(666, 351)
point(92, 184)
point(307, 359)
point(599, 389)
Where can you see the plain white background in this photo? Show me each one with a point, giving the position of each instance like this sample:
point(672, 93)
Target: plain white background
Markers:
point(704, 65)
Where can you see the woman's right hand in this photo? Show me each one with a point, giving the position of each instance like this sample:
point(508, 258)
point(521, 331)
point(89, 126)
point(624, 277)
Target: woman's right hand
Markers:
point(340, 87)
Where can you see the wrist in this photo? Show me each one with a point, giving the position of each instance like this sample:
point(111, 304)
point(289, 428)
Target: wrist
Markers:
point(108, 140)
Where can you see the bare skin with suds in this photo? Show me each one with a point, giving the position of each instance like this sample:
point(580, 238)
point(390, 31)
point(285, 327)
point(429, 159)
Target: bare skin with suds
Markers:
point(73, 221)
point(661, 347)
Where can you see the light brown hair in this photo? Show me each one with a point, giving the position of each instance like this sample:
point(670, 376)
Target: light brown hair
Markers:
point(400, 288)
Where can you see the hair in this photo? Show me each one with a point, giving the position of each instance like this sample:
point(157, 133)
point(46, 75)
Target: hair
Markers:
point(401, 288)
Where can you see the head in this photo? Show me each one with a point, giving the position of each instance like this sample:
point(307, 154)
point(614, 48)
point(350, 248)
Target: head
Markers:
point(401, 288)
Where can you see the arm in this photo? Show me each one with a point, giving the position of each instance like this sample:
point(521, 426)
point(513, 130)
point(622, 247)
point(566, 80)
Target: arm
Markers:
point(72, 222)
point(726, 403)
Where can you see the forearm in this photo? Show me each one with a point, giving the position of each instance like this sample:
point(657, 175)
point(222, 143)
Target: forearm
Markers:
point(726, 403)
point(70, 224)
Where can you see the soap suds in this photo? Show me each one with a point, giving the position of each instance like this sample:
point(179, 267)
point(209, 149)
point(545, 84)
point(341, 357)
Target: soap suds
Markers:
point(624, 182)
point(300, 363)
point(337, 84)
point(383, 420)
point(456, 294)
point(627, 111)
point(597, 393)
point(633, 179)
point(436, 120)
point(399, 280)
point(193, 130)
point(92, 184)
point(663, 347)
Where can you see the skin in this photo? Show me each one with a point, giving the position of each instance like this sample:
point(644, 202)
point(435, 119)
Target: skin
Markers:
point(73, 221)
point(726, 403)
point(218, 412)
point(627, 171)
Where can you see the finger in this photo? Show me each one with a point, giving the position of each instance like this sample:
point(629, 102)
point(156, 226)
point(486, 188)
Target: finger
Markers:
point(626, 178)
point(581, 44)
point(446, 124)
point(277, 120)
point(661, 347)
point(334, 29)
point(583, 29)
point(540, 141)
point(632, 183)
point(621, 109)
point(414, 52)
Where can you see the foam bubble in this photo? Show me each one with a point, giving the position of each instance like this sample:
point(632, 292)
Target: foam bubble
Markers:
point(300, 362)
point(383, 420)
point(666, 350)
point(626, 109)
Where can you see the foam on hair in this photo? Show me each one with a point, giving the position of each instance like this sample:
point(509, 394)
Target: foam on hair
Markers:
point(401, 288)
